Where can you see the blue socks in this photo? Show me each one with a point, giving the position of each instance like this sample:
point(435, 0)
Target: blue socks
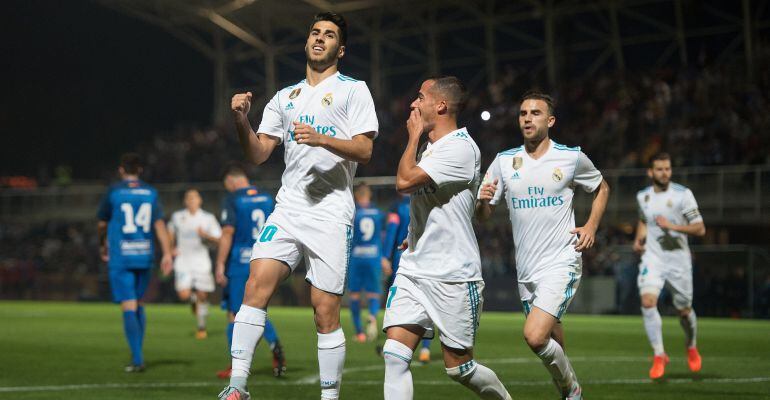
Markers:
point(426, 343)
point(270, 334)
point(133, 330)
point(355, 314)
point(374, 306)
point(142, 317)
point(230, 328)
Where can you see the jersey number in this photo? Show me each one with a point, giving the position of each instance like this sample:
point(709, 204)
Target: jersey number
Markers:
point(133, 219)
point(258, 217)
point(366, 226)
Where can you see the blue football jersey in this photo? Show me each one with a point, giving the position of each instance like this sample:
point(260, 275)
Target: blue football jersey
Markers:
point(246, 210)
point(130, 209)
point(397, 229)
point(367, 232)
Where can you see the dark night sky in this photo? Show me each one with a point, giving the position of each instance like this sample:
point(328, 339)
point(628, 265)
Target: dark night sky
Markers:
point(83, 83)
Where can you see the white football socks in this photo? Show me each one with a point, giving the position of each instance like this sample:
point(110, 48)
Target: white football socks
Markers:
point(201, 313)
point(249, 326)
point(690, 326)
point(331, 360)
point(654, 327)
point(557, 363)
point(398, 377)
point(480, 379)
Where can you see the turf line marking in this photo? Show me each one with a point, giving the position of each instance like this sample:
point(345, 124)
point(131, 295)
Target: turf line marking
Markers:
point(152, 385)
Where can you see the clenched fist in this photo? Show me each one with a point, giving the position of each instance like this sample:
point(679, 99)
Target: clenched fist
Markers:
point(488, 191)
point(241, 103)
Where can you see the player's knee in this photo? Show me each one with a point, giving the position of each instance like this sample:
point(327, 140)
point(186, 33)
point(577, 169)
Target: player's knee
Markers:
point(684, 312)
point(535, 340)
point(649, 302)
point(355, 296)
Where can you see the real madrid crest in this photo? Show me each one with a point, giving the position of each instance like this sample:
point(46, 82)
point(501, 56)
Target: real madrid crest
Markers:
point(294, 93)
point(517, 162)
point(557, 175)
point(646, 198)
point(327, 100)
point(669, 204)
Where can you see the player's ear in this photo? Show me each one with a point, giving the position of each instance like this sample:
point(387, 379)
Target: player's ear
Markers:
point(551, 121)
point(442, 107)
point(649, 173)
point(340, 52)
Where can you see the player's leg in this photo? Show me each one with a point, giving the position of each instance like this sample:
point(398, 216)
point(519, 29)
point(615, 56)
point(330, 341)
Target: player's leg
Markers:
point(681, 289)
point(650, 282)
point(537, 333)
point(424, 356)
point(557, 334)
point(397, 353)
point(373, 290)
point(126, 285)
point(271, 337)
point(265, 274)
point(331, 340)
point(457, 320)
point(355, 285)
point(201, 313)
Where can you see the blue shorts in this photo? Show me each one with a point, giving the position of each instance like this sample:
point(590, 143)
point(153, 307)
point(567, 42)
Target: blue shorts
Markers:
point(129, 284)
point(232, 295)
point(365, 275)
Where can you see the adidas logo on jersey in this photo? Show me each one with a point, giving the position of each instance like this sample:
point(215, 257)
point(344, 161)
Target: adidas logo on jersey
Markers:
point(515, 176)
point(289, 106)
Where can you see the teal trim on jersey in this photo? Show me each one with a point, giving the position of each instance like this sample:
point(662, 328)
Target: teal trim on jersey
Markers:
point(399, 356)
point(527, 309)
point(678, 187)
point(346, 78)
point(568, 293)
point(511, 152)
point(391, 295)
point(473, 295)
point(558, 146)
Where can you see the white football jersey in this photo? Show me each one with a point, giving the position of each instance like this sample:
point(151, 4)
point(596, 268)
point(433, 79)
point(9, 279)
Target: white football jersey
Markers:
point(442, 245)
point(677, 204)
point(316, 182)
point(539, 194)
point(191, 247)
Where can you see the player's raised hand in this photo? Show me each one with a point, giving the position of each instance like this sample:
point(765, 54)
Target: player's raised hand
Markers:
point(488, 191)
point(241, 103)
point(662, 222)
point(586, 237)
point(414, 124)
point(306, 134)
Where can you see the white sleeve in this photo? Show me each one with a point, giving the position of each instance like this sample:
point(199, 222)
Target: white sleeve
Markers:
point(362, 117)
point(639, 209)
point(586, 175)
point(172, 224)
point(272, 119)
point(690, 208)
point(213, 229)
point(494, 172)
point(454, 161)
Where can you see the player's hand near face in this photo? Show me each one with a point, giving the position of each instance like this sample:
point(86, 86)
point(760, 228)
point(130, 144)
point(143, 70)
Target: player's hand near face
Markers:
point(488, 191)
point(219, 274)
point(586, 237)
point(306, 134)
point(241, 103)
point(415, 125)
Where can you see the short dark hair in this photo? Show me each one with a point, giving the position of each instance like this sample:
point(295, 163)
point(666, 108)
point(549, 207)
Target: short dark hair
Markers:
point(235, 169)
point(453, 91)
point(662, 156)
point(537, 95)
point(336, 19)
point(131, 163)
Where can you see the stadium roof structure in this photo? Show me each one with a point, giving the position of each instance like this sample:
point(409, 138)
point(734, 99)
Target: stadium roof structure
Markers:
point(258, 44)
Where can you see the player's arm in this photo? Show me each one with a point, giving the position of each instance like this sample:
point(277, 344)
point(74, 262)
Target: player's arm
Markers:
point(483, 206)
point(225, 243)
point(164, 239)
point(411, 177)
point(358, 149)
point(694, 229)
point(641, 236)
point(587, 233)
point(257, 147)
point(101, 230)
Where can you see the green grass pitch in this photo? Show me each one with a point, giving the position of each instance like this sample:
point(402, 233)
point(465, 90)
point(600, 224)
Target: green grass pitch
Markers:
point(77, 351)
